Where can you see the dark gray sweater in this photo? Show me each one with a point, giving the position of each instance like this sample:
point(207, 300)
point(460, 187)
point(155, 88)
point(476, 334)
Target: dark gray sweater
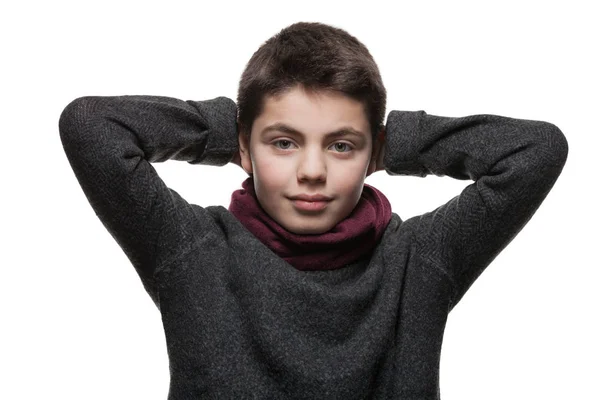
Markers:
point(239, 321)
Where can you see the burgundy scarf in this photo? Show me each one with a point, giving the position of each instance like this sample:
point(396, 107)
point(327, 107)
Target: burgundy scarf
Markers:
point(349, 240)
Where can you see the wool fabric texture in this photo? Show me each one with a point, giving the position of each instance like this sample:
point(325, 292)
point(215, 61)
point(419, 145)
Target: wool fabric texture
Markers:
point(242, 323)
point(352, 238)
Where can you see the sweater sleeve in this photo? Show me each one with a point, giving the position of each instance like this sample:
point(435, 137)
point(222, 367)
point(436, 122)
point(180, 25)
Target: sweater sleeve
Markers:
point(110, 143)
point(513, 162)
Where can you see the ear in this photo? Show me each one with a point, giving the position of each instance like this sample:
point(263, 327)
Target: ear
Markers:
point(376, 162)
point(244, 149)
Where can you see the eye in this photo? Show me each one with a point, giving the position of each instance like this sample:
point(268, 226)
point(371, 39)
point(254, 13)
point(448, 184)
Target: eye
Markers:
point(341, 147)
point(283, 144)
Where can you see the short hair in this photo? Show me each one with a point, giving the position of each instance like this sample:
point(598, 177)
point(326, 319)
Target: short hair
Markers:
point(318, 57)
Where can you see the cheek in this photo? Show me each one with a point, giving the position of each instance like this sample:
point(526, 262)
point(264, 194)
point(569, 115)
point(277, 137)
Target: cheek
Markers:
point(348, 175)
point(271, 173)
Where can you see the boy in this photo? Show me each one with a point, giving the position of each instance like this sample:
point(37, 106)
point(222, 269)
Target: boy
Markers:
point(308, 286)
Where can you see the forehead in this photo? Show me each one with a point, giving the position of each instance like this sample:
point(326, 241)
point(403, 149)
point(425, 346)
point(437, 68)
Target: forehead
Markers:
point(313, 112)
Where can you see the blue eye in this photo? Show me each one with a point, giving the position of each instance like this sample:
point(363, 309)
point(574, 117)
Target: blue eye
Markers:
point(283, 144)
point(342, 147)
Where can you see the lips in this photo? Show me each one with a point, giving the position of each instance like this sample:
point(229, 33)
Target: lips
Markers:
point(311, 197)
point(310, 202)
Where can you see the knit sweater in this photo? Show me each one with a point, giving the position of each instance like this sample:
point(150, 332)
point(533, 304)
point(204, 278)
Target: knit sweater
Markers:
point(240, 322)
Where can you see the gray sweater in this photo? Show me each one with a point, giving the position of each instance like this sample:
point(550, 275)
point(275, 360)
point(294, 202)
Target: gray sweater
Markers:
point(241, 323)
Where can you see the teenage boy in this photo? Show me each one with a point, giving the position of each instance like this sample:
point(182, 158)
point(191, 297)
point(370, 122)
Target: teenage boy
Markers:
point(307, 286)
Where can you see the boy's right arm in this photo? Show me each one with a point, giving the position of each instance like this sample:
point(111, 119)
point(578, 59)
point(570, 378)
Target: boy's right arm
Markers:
point(110, 143)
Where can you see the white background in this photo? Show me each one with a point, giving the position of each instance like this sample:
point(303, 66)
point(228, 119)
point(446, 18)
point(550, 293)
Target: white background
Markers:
point(76, 322)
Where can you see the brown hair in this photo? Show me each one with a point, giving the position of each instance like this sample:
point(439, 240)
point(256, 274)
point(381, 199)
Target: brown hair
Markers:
point(316, 57)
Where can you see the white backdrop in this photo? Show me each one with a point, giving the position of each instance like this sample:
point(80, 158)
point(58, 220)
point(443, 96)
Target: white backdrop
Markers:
point(76, 321)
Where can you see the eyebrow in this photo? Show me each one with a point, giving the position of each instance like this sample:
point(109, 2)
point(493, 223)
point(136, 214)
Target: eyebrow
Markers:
point(281, 127)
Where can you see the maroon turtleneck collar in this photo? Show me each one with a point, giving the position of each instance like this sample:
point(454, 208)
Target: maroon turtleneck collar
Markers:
point(346, 242)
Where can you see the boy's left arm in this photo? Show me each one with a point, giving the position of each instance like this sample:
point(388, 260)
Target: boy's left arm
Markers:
point(513, 162)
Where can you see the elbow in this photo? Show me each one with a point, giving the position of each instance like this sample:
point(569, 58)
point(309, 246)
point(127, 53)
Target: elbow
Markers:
point(75, 124)
point(547, 153)
point(71, 118)
point(70, 123)
point(556, 147)
point(545, 144)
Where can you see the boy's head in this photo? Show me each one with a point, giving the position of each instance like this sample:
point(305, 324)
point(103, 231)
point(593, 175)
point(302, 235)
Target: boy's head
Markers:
point(310, 105)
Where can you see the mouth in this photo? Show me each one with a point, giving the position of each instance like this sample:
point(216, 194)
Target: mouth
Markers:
point(310, 206)
point(310, 203)
point(311, 197)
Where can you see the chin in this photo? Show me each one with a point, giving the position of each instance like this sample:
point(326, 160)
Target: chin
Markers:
point(308, 229)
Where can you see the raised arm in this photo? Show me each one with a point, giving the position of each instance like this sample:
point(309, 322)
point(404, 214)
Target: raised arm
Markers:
point(110, 143)
point(513, 162)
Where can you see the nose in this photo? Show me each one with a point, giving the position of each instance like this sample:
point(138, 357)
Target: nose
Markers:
point(312, 167)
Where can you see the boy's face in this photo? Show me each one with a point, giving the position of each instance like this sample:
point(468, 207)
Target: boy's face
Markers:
point(294, 151)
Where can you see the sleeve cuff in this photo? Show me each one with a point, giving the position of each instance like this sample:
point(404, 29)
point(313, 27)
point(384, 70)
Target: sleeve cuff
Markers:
point(222, 142)
point(401, 155)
